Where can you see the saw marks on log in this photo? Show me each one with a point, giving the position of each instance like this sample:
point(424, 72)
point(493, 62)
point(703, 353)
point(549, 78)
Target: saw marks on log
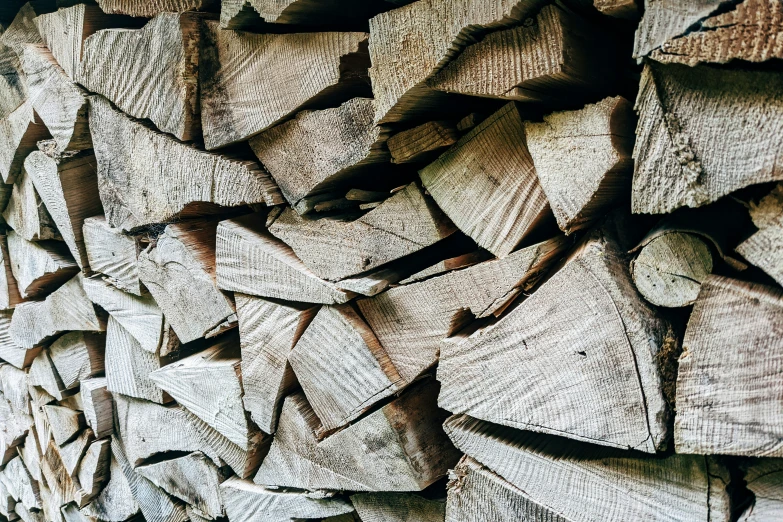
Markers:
point(27, 214)
point(39, 267)
point(113, 254)
point(765, 248)
point(397, 507)
point(765, 479)
point(150, 8)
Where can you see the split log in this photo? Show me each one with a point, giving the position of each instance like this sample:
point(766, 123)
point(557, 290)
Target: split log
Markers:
point(98, 406)
point(77, 356)
point(763, 248)
point(668, 19)
point(65, 423)
point(27, 214)
point(297, 459)
point(11, 352)
point(14, 426)
point(113, 254)
point(422, 143)
point(411, 321)
point(9, 290)
point(323, 151)
point(149, 9)
point(692, 147)
point(448, 265)
point(43, 373)
point(20, 30)
point(30, 452)
point(20, 133)
point(7, 503)
point(248, 13)
point(765, 480)
point(128, 365)
point(243, 94)
point(20, 484)
point(66, 309)
point(394, 507)
point(727, 380)
point(68, 186)
point(73, 402)
point(13, 382)
point(164, 86)
point(341, 366)
point(72, 452)
point(39, 267)
point(499, 204)
point(93, 472)
point(268, 331)
point(628, 9)
point(583, 160)
point(252, 261)
point(179, 271)
point(147, 177)
point(552, 473)
point(116, 500)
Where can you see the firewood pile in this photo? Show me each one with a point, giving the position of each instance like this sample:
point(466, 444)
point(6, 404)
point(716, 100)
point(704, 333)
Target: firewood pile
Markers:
point(391, 260)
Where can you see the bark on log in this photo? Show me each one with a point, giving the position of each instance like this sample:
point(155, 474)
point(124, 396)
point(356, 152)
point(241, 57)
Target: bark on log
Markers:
point(113, 254)
point(39, 267)
point(422, 143)
point(27, 214)
point(764, 248)
point(9, 289)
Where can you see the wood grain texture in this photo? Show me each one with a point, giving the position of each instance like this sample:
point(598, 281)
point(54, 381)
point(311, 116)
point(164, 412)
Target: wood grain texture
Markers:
point(9, 289)
point(397, 507)
point(72, 452)
point(423, 142)
point(113, 254)
point(27, 214)
point(333, 249)
point(20, 484)
point(691, 148)
point(116, 501)
point(765, 479)
point(65, 423)
point(412, 320)
point(128, 365)
point(98, 406)
point(763, 249)
point(94, 468)
point(146, 177)
point(249, 13)
point(13, 35)
point(727, 380)
point(163, 87)
point(43, 373)
point(78, 356)
point(666, 19)
point(20, 131)
point(323, 151)
point(247, 88)
point(149, 8)
point(39, 267)
point(499, 203)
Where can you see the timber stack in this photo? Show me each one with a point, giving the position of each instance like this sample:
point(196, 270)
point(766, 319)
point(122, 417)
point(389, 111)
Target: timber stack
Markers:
point(391, 260)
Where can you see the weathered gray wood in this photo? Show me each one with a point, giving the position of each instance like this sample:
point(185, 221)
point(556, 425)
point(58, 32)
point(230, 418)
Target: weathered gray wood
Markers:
point(128, 365)
point(499, 204)
point(39, 267)
point(116, 501)
point(93, 470)
point(9, 290)
point(98, 406)
point(20, 484)
point(20, 131)
point(397, 507)
point(727, 380)
point(72, 452)
point(448, 265)
point(113, 254)
point(7, 503)
point(27, 214)
point(147, 177)
point(77, 356)
point(247, 13)
point(149, 8)
point(764, 248)
point(11, 352)
point(43, 373)
point(18, 30)
point(667, 19)
point(423, 142)
point(765, 479)
point(243, 94)
point(14, 426)
point(65, 423)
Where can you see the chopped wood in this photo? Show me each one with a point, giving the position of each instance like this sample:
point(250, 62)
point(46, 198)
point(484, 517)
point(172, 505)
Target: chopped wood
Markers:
point(422, 143)
point(20, 131)
point(147, 177)
point(499, 204)
point(668, 19)
point(39, 267)
point(247, 13)
point(27, 214)
point(765, 479)
point(65, 423)
point(72, 452)
point(31, 454)
point(628, 9)
point(77, 356)
point(366, 195)
point(393, 507)
point(13, 382)
point(242, 93)
point(727, 380)
point(93, 471)
point(113, 254)
point(9, 289)
point(43, 373)
point(323, 151)
point(20, 484)
point(764, 247)
point(98, 406)
point(116, 501)
point(128, 365)
point(149, 9)
point(448, 265)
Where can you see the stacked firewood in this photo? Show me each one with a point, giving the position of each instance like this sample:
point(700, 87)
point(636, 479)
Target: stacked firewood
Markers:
point(391, 260)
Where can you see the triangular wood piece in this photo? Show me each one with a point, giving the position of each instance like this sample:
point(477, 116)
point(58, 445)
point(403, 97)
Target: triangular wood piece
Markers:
point(27, 214)
point(72, 452)
point(116, 500)
point(764, 249)
point(20, 484)
point(98, 406)
point(149, 9)
point(20, 133)
point(43, 373)
point(128, 365)
point(78, 356)
point(93, 471)
point(398, 506)
point(39, 267)
point(65, 423)
point(423, 142)
point(113, 254)
point(764, 478)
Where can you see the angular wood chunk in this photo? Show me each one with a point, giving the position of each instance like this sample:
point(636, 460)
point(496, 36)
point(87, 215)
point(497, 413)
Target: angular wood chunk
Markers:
point(393, 507)
point(98, 406)
point(426, 36)
point(113, 254)
point(115, 502)
point(193, 479)
point(668, 19)
point(149, 9)
point(20, 132)
point(334, 249)
point(27, 214)
point(499, 203)
point(692, 146)
point(19, 30)
point(164, 86)
point(61, 104)
point(7, 503)
point(128, 365)
point(39, 267)
point(245, 500)
point(412, 321)
point(551, 472)
point(342, 367)
point(13, 382)
point(65, 423)
point(241, 91)
point(247, 13)
point(68, 186)
point(20, 484)
point(9, 289)
point(297, 459)
point(764, 248)
point(728, 374)
point(72, 452)
point(78, 356)
point(43, 373)
point(583, 159)
point(583, 340)
point(423, 142)
point(268, 331)
point(765, 479)
point(322, 151)
point(252, 261)
point(618, 8)
point(147, 177)
point(93, 471)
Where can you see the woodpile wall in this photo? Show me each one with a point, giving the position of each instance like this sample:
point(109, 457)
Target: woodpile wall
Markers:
point(391, 260)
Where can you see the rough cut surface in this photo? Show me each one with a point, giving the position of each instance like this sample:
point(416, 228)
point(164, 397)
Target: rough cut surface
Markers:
point(242, 13)
point(27, 214)
point(765, 248)
point(397, 507)
point(765, 480)
point(666, 19)
point(150, 8)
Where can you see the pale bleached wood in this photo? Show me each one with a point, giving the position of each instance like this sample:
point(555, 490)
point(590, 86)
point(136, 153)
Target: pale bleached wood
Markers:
point(147, 177)
point(14, 426)
point(585, 482)
point(763, 249)
point(627, 9)
point(297, 459)
point(113, 254)
point(248, 502)
point(334, 249)
point(412, 320)
point(20, 131)
point(252, 261)
point(179, 271)
point(94, 468)
point(423, 142)
point(67, 308)
point(72, 452)
point(128, 365)
point(30, 452)
point(246, 87)
point(20, 484)
point(342, 367)
point(163, 87)
point(268, 331)
point(77, 356)
point(98, 406)
point(65, 423)
point(13, 382)
point(692, 148)
point(583, 159)
point(29, 516)
point(39, 267)
point(149, 8)
point(397, 507)
point(116, 502)
point(323, 151)
point(249, 13)
point(727, 380)
point(7, 503)
point(43, 373)
point(27, 214)
point(11, 352)
point(13, 82)
point(764, 478)
point(499, 204)
point(9, 290)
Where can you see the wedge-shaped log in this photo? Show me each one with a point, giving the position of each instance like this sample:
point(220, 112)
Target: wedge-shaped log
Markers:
point(727, 380)
point(98, 406)
point(342, 367)
point(13, 382)
point(72, 452)
point(390, 507)
point(423, 142)
point(68, 186)
point(150, 9)
point(9, 289)
point(241, 97)
point(553, 472)
point(128, 365)
point(268, 331)
point(27, 214)
point(147, 177)
point(67, 308)
point(412, 320)
point(113, 254)
point(334, 249)
point(39, 267)
point(252, 261)
point(244, 13)
point(43, 374)
point(13, 82)
point(115, 501)
point(665, 20)
point(297, 459)
point(500, 203)
point(20, 131)
point(77, 356)
point(692, 148)
point(93, 471)
point(765, 248)
point(322, 151)
point(20, 484)
point(65, 423)
point(163, 87)
point(764, 478)
point(583, 159)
